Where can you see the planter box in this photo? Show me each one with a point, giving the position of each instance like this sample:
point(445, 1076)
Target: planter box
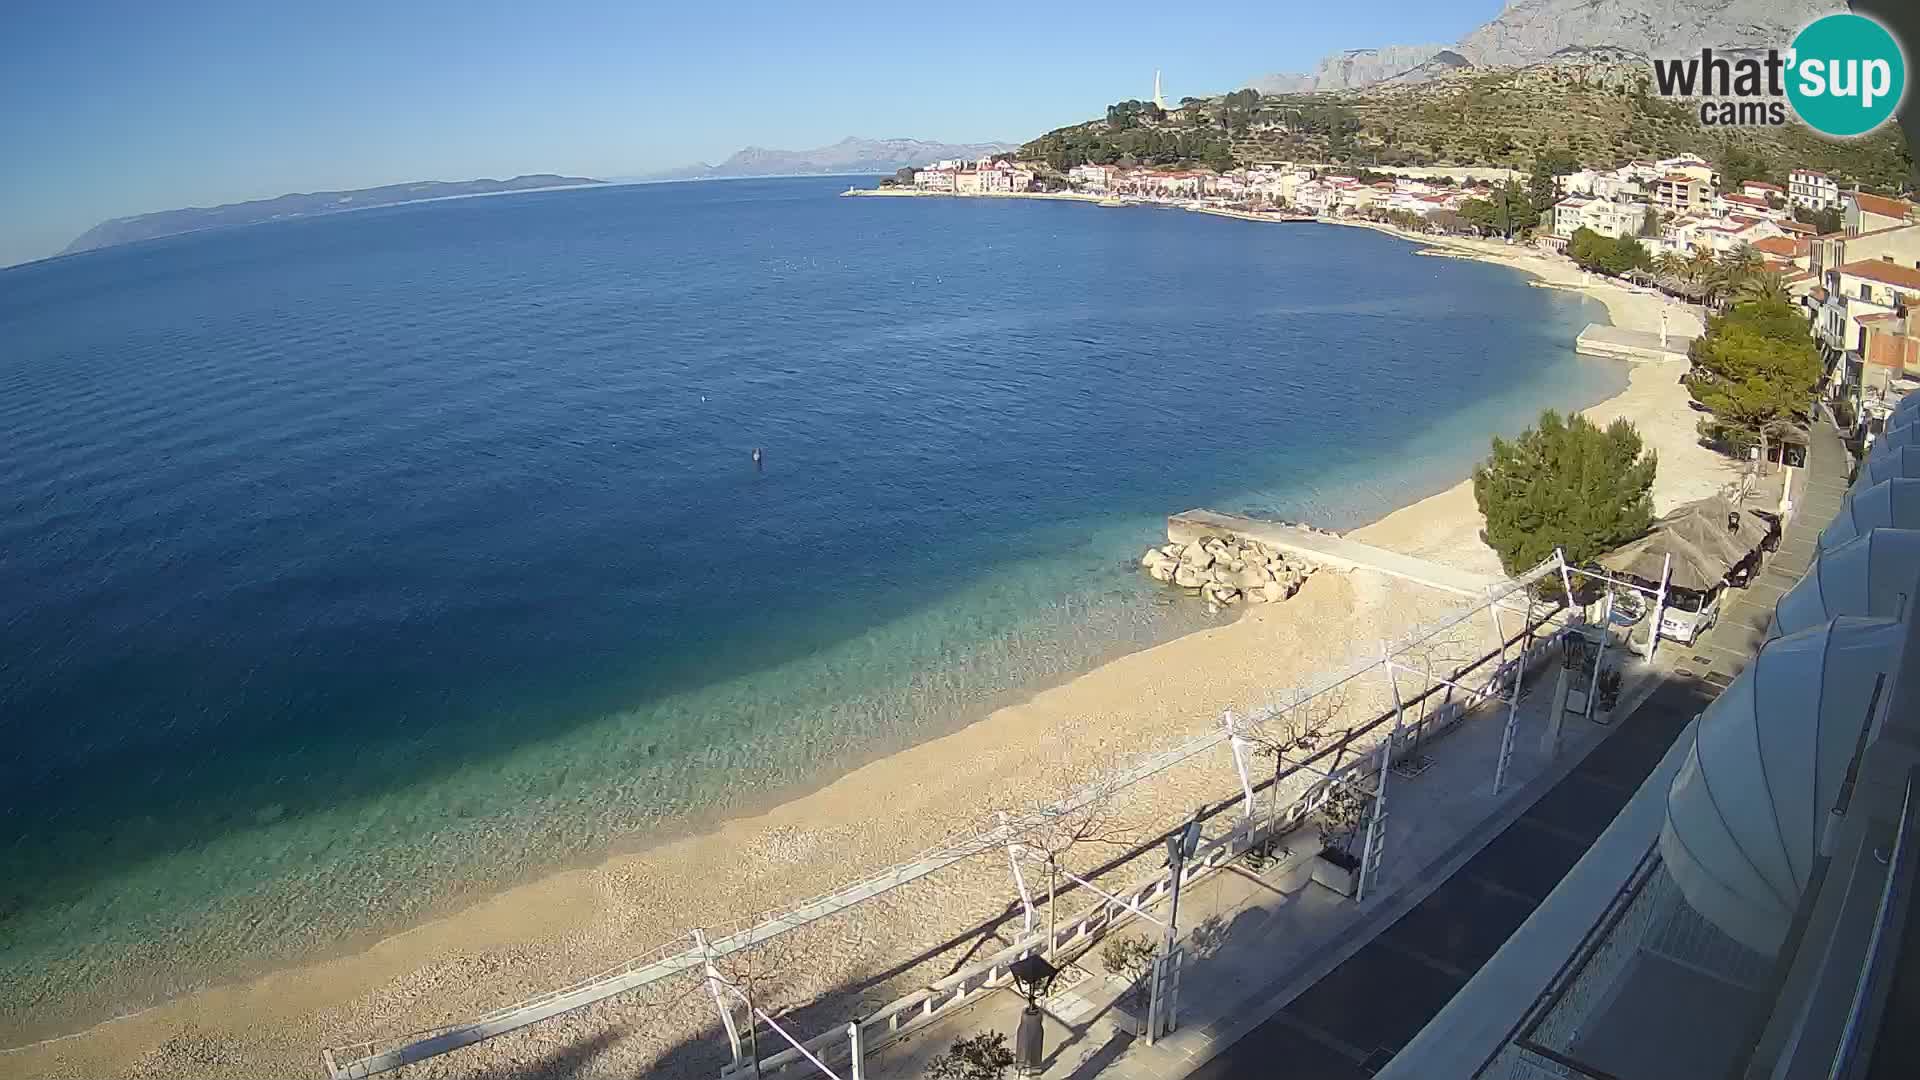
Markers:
point(1332, 871)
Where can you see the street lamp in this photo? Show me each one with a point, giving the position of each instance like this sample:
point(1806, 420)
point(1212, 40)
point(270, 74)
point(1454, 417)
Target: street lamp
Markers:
point(1033, 975)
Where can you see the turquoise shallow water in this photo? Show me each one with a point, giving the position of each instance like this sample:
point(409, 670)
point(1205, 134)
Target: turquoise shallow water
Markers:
point(352, 567)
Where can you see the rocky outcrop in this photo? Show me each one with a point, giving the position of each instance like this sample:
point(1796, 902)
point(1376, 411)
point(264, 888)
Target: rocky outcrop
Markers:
point(1534, 31)
point(1529, 31)
point(1349, 69)
point(1225, 571)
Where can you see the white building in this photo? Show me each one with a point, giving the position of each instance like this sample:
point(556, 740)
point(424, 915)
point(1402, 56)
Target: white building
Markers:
point(1604, 216)
point(1092, 177)
point(1813, 190)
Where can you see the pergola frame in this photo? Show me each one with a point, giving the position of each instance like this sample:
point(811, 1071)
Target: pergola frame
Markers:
point(366, 1059)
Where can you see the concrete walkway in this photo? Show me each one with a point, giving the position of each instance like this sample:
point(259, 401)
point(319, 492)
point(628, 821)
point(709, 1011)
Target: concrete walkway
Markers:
point(1257, 941)
point(1724, 651)
point(1326, 549)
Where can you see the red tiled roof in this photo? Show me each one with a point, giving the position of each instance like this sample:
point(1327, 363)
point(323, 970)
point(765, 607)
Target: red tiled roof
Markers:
point(1875, 204)
point(1818, 292)
point(1810, 172)
point(1798, 227)
point(1763, 185)
point(1784, 246)
point(1746, 200)
point(1887, 273)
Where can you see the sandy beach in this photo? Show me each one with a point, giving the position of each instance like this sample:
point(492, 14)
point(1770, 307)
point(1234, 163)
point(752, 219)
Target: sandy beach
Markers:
point(540, 935)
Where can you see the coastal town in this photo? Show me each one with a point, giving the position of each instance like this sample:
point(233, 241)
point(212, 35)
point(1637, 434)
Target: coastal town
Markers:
point(1850, 259)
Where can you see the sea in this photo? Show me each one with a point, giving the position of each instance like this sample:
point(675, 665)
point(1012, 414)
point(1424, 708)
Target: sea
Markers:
point(354, 567)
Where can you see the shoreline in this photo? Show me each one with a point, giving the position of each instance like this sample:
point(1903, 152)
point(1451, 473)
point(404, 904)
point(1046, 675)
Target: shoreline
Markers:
point(539, 934)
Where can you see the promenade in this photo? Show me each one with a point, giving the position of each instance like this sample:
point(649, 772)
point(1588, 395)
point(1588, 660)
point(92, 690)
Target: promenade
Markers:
point(1285, 971)
point(1259, 942)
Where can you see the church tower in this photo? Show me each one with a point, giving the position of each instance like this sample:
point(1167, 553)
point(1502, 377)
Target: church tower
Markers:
point(1158, 99)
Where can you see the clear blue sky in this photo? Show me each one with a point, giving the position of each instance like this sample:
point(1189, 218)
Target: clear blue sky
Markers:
point(112, 108)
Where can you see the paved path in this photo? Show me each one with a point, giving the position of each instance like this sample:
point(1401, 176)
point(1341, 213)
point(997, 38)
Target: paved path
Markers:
point(1326, 549)
point(1261, 939)
point(1724, 651)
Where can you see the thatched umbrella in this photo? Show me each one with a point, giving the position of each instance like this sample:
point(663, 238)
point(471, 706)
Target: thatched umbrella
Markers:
point(1707, 539)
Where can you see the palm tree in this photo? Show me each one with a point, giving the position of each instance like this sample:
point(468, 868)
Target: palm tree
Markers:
point(1741, 261)
point(1700, 265)
point(1765, 286)
point(1670, 264)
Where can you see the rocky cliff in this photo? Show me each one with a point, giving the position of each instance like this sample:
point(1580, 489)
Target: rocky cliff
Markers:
point(1532, 31)
point(1528, 31)
point(1346, 70)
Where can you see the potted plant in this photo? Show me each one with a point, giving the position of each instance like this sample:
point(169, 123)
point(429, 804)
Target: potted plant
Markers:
point(1607, 689)
point(1130, 961)
point(1341, 819)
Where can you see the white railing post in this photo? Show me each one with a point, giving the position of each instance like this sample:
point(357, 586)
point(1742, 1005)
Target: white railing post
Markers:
point(1375, 847)
point(857, 1051)
point(719, 1000)
point(1513, 696)
point(1019, 879)
point(1659, 607)
point(1239, 746)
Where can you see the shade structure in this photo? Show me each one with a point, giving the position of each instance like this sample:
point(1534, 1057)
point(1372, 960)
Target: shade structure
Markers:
point(1875, 574)
point(1899, 463)
point(1746, 811)
point(1907, 434)
point(1704, 549)
point(1891, 504)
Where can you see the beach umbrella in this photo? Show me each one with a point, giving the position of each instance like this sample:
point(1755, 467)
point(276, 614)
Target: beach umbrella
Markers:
point(1875, 574)
point(1706, 540)
point(1899, 462)
point(1890, 504)
point(1747, 809)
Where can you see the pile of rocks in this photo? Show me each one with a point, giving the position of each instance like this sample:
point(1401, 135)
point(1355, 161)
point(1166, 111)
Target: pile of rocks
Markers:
point(1227, 570)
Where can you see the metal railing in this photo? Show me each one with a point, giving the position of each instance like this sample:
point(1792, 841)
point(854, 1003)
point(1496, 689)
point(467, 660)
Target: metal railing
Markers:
point(366, 1058)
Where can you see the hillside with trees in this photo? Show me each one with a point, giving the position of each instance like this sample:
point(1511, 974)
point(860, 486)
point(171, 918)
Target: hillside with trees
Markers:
point(1599, 114)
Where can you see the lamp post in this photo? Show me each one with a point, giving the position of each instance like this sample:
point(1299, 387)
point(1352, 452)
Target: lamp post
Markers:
point(1033, 974)
point(1160, 1012)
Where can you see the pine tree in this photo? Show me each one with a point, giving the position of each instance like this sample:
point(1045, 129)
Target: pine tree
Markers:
point(1754, 370)
point(1565, 484)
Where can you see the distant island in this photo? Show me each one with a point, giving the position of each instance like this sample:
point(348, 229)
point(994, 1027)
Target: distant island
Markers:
point(849, 155)
point(126, 230)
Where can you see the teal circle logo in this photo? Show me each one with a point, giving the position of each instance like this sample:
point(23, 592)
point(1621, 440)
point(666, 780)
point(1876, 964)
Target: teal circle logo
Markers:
point(1847, 75)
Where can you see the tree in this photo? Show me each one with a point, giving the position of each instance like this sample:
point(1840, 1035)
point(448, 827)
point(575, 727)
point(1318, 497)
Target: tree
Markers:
point(1608, 255)
point(1548, 167)
point(903, 177)
point(1737, 165)
point(1755, 370)
point(1764, 287)
point(984, 1055)
point(1565, 484)
point(1650, 224)
point(1830, 220)
point(1220, 157)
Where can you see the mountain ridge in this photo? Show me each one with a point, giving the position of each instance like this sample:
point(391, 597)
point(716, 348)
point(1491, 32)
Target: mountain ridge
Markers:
point(850, 155)
point(1531, 31)
point(136, 227)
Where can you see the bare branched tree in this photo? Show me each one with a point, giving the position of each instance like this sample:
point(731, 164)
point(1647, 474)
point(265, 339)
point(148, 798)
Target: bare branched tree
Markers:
point(1092, 814)
point(1290, 732)
point(751, 981)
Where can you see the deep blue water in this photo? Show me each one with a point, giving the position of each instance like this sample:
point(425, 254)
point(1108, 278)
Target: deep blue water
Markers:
point(354, 565)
